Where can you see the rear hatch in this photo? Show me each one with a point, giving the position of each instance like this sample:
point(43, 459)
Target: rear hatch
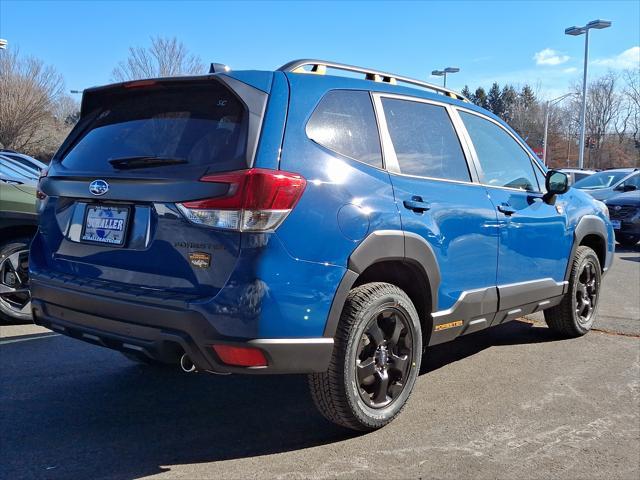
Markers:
point(111, 218)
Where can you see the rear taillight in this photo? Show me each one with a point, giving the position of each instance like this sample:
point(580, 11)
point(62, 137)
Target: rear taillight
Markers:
point(257, 200)
point(39, 193)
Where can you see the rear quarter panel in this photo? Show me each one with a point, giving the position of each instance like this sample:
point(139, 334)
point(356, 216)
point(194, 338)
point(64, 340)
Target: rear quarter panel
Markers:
point(337, 187)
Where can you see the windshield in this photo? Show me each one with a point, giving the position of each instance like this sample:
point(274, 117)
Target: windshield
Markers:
point(201, 124)
point(600, 180)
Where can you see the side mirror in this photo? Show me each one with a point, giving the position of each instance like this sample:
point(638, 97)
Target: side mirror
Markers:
point(557, 183)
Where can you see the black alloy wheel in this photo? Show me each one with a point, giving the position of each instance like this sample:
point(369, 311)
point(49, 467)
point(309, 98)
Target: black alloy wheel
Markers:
point(384, 357)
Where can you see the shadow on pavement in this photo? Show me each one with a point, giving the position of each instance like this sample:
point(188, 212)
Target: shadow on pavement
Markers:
point(5, 322)
point(634, 249)
point(70, 410)
point(512, 333)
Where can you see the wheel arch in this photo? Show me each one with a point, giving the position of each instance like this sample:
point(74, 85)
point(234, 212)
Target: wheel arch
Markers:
point(590, 231)
point(401, 258)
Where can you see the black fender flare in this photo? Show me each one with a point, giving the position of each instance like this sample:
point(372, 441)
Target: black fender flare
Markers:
point(587, 225)
point(383, 246)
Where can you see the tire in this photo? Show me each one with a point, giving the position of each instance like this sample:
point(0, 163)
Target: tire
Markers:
point(575, 315)
point(627, 241)
point(15, 298)
point(379, 336)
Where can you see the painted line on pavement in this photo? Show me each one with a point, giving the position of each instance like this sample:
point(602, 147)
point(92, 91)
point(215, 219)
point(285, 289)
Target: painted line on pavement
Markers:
point(39, 337)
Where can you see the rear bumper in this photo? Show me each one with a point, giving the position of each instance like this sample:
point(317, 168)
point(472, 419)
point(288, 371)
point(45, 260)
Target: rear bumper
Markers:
point(165, 332)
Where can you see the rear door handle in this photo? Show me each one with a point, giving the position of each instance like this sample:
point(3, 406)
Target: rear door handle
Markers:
point(506, 209)
point(416, 204)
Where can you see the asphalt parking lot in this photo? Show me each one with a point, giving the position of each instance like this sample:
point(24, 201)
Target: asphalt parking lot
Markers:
point(510, 402)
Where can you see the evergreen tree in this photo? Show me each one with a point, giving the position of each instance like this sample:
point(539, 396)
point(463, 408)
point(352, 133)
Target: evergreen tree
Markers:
point(527, 97)
point(494, 100)
point(509, 97)
point(480, 98)
point(466, 92)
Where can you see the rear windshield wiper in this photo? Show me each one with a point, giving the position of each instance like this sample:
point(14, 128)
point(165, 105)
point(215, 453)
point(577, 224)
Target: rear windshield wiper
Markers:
point(144, 161)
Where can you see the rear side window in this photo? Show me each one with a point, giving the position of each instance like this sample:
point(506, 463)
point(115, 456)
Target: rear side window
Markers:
point(503, 161)
point(344, 122)
point(424, 140)
point(634, 181)
point(200, 124)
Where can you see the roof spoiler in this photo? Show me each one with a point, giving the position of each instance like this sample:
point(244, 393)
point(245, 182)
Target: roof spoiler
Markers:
point(218, 68)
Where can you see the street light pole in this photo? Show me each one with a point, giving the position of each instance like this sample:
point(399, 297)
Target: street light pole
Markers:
point(583, 109)
point(575, 31)
point(546, 128)
point(550, 103)
point(443, 73)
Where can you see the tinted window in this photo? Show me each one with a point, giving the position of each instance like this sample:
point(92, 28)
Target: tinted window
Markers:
point(22, 161)
point(9, 167)
point(601, 180)
point(504, 162)
point(202, 124)
point(424, 140)
point(579, 176)
point(344, 122)
point(635, 181)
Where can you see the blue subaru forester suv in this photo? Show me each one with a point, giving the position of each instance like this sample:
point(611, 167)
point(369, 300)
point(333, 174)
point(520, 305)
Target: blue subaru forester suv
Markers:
point(296, 221)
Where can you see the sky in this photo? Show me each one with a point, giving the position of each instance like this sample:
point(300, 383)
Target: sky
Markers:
point(513, 42)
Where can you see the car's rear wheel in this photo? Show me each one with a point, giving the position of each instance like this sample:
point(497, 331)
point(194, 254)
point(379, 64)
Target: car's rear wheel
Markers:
point(575, 315)
point(375, 362)
point(15, 297)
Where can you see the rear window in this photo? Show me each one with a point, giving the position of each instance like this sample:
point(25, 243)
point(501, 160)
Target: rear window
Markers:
point(200, 124)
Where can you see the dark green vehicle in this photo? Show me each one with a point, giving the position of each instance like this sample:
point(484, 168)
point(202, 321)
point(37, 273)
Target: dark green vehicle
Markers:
point(18, 224)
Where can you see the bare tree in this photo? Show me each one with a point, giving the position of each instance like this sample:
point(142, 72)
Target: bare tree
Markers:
point(603, 106)
point(165, 57)
point(66, 110)
point(29, 91)
point(631, 95)
point(603, 117)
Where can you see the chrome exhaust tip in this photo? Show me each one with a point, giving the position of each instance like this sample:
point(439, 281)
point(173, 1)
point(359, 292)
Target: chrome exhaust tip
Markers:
point(186, 364)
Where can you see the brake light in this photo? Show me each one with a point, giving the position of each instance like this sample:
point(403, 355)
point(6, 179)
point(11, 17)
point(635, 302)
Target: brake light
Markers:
point(240, 356)
point(258, 199)
point(140, 83)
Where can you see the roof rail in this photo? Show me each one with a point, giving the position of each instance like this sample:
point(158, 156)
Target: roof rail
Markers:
point(320, 67)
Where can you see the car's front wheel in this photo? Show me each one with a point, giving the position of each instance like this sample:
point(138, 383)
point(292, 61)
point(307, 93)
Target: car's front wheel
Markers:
point(375, 362)
point(575, 315)
point(15, 297)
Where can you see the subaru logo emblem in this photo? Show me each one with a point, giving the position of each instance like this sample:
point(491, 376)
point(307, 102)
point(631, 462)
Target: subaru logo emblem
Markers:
point(617, 207)
point(98, 187)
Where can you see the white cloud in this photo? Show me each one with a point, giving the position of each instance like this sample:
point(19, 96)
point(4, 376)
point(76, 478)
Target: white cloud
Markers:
point(549, 56)
point(630, 58)
point(570, 70)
